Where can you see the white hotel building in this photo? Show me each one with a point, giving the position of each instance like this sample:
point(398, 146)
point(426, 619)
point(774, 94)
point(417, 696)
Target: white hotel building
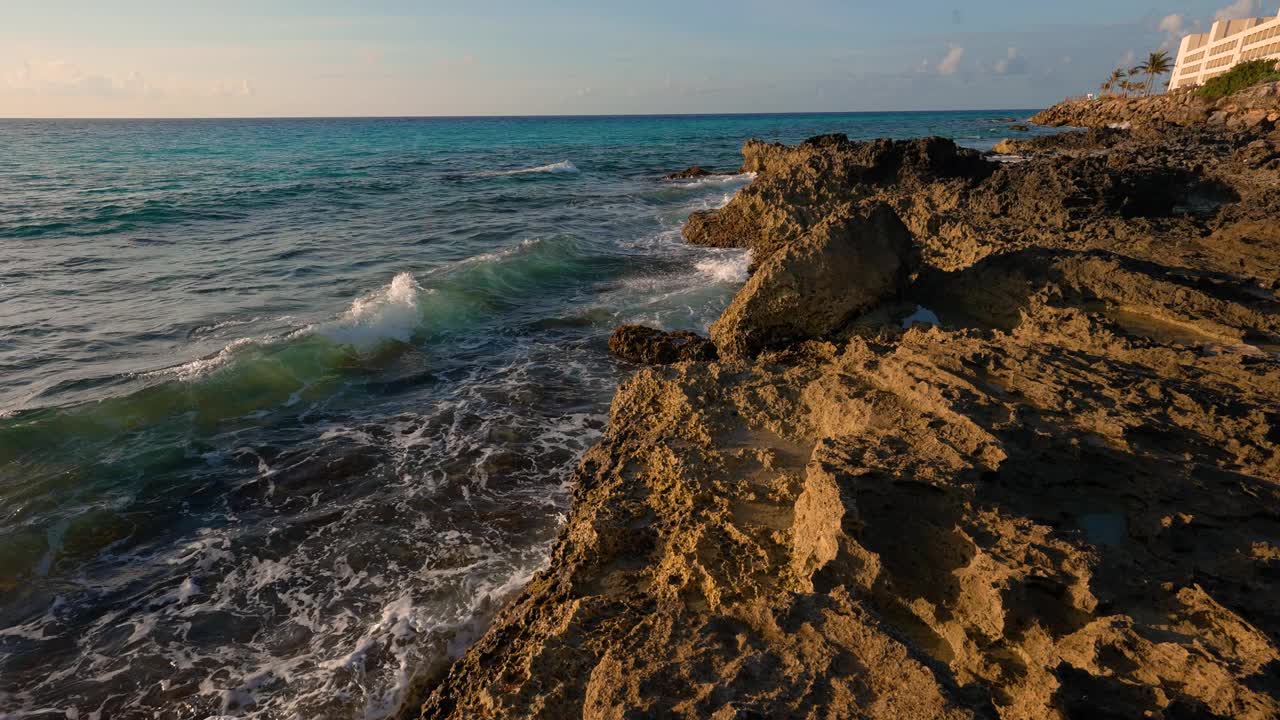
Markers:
point(1203, 55)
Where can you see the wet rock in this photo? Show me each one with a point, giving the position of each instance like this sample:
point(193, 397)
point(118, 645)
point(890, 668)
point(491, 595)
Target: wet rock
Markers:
point(689, 173)
point(817, 283)
point(650, 346)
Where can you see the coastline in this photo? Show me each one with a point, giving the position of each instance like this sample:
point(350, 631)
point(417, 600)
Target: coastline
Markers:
point(399, 412)
point(1255, 109)
point(1059, 501)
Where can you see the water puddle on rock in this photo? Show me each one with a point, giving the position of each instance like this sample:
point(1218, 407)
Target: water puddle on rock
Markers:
point(1104, 528)
point(1167, 332)
point(1137, 323)
point(905, 315)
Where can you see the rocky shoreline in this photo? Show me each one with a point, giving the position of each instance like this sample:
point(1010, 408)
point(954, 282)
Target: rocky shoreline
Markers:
point(1256, 109)
point(977, 439)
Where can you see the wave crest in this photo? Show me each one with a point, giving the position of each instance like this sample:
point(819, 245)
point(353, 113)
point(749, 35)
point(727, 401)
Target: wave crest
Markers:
point(556, 168)
point(387, 314)
point(201, 366)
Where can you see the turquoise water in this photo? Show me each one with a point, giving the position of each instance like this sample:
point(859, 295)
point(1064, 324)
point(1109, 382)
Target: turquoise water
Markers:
point(287, 406)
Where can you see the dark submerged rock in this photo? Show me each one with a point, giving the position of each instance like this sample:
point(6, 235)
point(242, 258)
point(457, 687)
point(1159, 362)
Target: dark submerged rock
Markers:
point(689, 173)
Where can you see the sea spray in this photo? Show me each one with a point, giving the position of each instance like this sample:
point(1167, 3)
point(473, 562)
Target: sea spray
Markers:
point(388, 314)
point(729, 266)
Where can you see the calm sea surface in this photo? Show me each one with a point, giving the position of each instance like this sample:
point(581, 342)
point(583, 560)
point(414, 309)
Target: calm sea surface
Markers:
point(287, 406)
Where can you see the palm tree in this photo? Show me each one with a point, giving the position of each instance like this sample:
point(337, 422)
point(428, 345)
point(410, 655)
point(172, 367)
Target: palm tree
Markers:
point(1157, 64)
point(1113, 82)
point(1134, 72)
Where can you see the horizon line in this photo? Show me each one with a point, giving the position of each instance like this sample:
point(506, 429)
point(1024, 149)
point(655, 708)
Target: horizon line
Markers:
point(506, 117)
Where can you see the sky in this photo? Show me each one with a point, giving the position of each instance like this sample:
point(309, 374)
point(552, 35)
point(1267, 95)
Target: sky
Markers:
point(266, 58)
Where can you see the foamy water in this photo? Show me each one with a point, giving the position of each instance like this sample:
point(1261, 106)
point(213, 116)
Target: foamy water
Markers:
point(556, 168)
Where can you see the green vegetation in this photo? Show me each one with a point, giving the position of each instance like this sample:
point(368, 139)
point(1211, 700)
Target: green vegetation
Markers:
point(1156, 64)
point(1238, 78)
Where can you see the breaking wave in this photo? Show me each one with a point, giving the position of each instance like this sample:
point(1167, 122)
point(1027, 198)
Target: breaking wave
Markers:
point(389, 314)
point(713, 180)
point(727, 267)
point(564, 167)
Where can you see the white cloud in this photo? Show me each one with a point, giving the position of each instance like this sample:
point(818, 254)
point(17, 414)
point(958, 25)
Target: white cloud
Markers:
point(234, 88)
point(1171, 24)
point(1238, 9)
point(62, 78)
point(1174, 27)
point(1012, 64)
point(951, 62)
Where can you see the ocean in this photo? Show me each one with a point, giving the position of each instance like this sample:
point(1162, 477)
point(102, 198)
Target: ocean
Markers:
point(289, 407)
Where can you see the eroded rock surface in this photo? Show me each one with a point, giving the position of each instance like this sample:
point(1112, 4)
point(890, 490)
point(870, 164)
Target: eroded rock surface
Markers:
point(651, 346)
point(796, 188)
point(813, 286)
point(1061, 501)
point(1256, 108)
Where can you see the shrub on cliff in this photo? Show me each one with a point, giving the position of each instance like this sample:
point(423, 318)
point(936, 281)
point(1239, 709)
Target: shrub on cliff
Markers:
point(1246, 74)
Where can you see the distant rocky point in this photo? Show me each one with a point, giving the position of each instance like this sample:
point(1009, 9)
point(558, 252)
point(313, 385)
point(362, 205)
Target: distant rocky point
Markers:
point(1257, 108)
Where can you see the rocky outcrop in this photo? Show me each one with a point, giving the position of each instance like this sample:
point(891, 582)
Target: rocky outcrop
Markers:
point(797, 188)
point(651, 346)
point(689, 173)
point(1256, 108)
point(1061, 500)
point(814, 285)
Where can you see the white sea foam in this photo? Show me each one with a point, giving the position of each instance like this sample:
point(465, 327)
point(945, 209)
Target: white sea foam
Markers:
point(564, 166)
point(718, 179)
point(729, 266)
point(202, 366)
point(523, 246)
point(222, 325)
point(389, 313)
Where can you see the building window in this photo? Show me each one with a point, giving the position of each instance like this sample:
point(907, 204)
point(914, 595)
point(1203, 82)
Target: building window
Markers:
point(1225, 47)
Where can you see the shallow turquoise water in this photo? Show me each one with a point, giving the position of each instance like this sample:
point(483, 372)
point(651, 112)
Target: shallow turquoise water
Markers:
point(287, 405)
